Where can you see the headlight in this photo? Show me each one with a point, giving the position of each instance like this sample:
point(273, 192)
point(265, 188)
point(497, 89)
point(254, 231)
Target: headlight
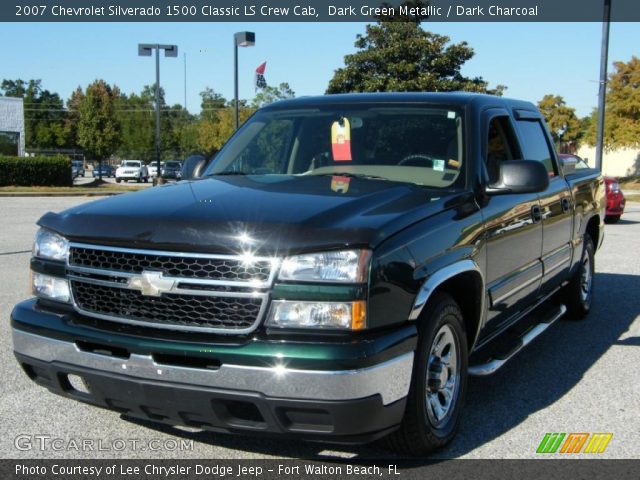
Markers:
point(329, 315)
point(50, 246)
point(347, 266)
point(50, 288)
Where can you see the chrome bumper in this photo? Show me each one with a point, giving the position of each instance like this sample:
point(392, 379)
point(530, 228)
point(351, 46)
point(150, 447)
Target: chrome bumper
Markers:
point(390, 379)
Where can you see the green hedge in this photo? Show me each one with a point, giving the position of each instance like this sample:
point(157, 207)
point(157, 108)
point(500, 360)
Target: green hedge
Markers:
point(35, 171)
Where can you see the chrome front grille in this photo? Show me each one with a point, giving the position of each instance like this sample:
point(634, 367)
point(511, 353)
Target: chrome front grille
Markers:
point(227, 269)
point(172, 290)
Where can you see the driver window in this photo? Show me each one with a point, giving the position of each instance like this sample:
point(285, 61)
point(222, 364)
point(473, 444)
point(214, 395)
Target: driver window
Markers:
point(500, 146)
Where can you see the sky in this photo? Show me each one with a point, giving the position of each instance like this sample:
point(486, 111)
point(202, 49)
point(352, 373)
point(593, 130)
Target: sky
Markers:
point(531, 59)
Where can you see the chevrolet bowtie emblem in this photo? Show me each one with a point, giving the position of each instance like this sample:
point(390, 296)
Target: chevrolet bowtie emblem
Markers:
point(151, 284)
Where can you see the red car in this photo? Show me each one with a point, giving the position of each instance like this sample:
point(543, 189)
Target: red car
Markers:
point(615, 200)
point(615, 197)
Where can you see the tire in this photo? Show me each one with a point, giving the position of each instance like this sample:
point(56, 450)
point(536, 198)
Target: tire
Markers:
point(146, 179)
point(578, 294)
point(118, 180)
point(421, 431)
point(612, 218)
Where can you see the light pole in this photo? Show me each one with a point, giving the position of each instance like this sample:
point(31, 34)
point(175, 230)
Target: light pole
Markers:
point(602, 93)
point(240, 39)
point(145, 50)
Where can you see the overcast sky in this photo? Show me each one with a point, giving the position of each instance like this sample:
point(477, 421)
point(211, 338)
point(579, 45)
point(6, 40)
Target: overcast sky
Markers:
point(532, 59)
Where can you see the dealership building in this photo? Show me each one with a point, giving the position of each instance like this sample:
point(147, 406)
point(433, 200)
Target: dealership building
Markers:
point(11, 126)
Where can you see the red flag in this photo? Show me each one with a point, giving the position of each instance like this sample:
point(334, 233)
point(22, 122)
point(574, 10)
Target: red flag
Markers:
point(260, 70)
point(260, 80)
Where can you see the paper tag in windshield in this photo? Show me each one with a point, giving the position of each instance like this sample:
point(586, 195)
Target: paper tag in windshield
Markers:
point(340, 184)
point(341, 140)
point(438, 165)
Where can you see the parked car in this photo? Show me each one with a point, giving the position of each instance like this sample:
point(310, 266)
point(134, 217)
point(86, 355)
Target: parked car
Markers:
point(106, 170)
point(152, 167)
point(77, 168)
point(132, 170)
point(615, 198)
point(336, 273)
point(171, 170)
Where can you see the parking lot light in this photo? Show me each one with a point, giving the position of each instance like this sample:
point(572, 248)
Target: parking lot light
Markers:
point(240, 39)
point(145, 50)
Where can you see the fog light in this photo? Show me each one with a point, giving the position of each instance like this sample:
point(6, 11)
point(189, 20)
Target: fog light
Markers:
point(321, 315)
point(50, 288)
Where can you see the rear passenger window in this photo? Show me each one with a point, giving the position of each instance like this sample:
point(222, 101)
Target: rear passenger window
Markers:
point(535, 145)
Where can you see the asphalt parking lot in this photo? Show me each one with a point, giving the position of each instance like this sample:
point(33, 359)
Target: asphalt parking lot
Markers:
point(577, 377)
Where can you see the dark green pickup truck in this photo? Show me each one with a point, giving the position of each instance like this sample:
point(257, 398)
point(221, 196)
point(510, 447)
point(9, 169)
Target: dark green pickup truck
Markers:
point(335, 273)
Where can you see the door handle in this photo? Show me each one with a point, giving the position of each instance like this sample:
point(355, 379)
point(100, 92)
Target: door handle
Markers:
point(566, 204)
point(536, 214)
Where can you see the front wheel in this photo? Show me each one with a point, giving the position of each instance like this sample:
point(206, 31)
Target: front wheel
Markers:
point(578, 294)
point(118, 180)
point(439, 382)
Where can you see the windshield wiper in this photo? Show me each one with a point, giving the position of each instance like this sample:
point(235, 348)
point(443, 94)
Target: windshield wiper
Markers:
point(350, 175)
point(228, 174)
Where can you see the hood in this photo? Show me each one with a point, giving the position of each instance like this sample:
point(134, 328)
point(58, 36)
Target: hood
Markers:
point(272, 214)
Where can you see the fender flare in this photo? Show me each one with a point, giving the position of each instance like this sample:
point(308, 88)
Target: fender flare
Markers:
point(438, 278)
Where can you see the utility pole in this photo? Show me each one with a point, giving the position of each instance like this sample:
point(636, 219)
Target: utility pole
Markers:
point(602, 94)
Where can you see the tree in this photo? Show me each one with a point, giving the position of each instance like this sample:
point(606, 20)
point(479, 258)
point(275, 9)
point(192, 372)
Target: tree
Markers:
point(398, 55)
point(271, 94)
point(176, 138)
point(212, 101)
point(45, 117)
point(14, 88)
point(622, 113)
point(137, 125)
point(562, 120)
point(73, 116)
point(98, 125)
point(213, 133)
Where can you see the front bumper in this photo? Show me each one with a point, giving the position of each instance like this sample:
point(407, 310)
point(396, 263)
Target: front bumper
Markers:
point(345, 405)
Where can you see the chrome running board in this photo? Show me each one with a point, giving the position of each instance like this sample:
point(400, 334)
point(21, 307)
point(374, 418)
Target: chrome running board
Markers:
point(493, 364)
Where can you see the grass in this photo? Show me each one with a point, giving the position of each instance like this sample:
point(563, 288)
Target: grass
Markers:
point(634, 197)
point(95, 187)
point(631, 183)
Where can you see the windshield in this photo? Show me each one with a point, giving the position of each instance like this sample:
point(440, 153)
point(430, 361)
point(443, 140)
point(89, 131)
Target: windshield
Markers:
point(131, 164)
point(405, 143)
point(172, 164)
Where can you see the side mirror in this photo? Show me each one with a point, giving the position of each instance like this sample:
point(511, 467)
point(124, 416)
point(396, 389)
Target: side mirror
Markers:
point(568, 165)
point(193, 167)
point(520, 176)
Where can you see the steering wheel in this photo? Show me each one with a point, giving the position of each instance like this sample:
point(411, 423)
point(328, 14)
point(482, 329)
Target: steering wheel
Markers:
point(417, 159)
